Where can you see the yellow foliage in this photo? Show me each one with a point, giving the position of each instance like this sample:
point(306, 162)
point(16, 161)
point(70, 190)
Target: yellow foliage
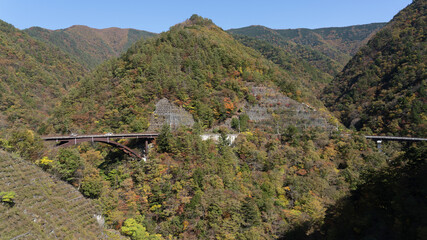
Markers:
point(44, 162)
point(155, 207)
point(185, 225)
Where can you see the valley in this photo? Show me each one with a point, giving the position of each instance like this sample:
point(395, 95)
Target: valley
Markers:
point(201, 133)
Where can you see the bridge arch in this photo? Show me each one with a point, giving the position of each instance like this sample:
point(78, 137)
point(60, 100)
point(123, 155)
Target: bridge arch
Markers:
point(125, 149)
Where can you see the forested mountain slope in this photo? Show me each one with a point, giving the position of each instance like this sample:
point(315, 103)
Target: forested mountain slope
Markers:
point(339, 43)
point(90, 46)
point(42, 207)
point(308, 72)
point(33, 75)
point(327, 49)
point(196, 64)
point(383, 87)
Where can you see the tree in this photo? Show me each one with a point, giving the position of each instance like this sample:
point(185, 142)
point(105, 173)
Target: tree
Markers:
point(136, 231)
point(68, 162)
point(8, 197)
point(92, 183)
point(164, 140)
point(26, 143)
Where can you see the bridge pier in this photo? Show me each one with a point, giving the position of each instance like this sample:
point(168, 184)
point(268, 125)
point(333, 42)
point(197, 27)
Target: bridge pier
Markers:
point(106, 138)
point(146, 147)
point(379, 145)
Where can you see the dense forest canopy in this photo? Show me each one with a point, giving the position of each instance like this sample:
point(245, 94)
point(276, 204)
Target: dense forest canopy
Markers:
point(90, 46)
point(325, 49)
point(195, 64)
point(33, 77)
point(383, 87)
point(298, 174)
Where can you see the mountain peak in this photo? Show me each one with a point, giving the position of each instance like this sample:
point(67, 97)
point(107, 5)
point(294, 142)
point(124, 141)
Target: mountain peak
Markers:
point(196, 20)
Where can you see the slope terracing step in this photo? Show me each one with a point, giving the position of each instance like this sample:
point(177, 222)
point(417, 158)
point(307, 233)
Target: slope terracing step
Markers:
point(44, 207)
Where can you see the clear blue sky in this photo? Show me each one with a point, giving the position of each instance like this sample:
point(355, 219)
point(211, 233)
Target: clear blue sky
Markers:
point(158, 16)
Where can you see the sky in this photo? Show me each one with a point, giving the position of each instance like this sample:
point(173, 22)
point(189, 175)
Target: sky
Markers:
point(158, 15)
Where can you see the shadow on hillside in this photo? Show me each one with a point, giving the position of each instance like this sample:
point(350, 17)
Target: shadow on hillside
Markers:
point(391, 204)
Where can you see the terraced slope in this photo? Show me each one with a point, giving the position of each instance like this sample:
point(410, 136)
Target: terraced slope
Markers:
point(45, 208)
point(196, 65)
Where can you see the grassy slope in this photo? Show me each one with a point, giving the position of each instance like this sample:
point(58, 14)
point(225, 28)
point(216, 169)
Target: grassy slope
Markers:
point(45, 208)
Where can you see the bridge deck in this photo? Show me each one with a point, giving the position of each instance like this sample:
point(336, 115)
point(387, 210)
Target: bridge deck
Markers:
point(392, 138)
point(99, 136)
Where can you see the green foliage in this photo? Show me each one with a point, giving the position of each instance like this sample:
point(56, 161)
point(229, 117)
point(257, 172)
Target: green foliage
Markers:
point(26, 143)
point(28, 190)
point(90, 46)
point(164, 140)
point(292, 59)
point(388, 205)
point(195, 64)
point(383, 87)
point(8, 197)
point(136, 231)
point(34, 75)
point(68, 162)
point(241, 123)
point(92, 183)
point(316, 54)
point(190, 188)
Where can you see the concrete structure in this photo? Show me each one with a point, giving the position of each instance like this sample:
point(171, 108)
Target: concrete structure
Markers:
point(216, 136)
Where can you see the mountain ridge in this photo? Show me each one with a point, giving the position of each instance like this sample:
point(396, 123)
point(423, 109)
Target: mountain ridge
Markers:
point(383, 86)
point(327, 49)
point(34, 75)
point(90, 45)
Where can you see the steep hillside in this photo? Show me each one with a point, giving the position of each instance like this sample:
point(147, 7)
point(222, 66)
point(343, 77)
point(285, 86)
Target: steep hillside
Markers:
point(196, 65)
point(88, 45)
point(281, 172)
point(338, 43)
point(310, 73)
point(383, 87)
point(33, 76)
point(43, 207)
point(327, 49)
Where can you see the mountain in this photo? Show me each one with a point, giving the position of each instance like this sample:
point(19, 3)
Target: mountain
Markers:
point(34, 75)
point(383, 87)
point(327, 49)
point(338, 43)
point(41, 206)
point(311, 74)
point(196, 65)
point(283, 170)
point(90, 46)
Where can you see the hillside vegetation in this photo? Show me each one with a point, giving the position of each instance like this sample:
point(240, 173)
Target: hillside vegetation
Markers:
point(34, 75)
point(195, 64)
point(42, 207)
point(293, 171)
point(274, 178)
point(90, 46)
point(326, 49)
point(383, 87)
point(300, 68)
